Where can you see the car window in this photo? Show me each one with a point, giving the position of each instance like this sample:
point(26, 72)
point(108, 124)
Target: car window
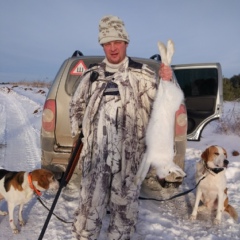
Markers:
point(73, 79)
point(200, 87)
point(198, 82)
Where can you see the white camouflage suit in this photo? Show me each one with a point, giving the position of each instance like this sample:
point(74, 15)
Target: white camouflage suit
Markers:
point(114, 128)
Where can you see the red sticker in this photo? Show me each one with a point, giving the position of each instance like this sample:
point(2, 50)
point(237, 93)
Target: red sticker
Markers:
point(79, 68)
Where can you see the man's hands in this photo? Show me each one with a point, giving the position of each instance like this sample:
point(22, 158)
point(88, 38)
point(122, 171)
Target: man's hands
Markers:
point(165, 72)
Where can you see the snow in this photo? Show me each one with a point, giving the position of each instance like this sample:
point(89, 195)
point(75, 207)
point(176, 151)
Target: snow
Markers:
point(20, 122)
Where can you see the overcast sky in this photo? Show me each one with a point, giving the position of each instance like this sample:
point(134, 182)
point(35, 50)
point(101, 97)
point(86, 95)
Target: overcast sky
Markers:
point(36, 36)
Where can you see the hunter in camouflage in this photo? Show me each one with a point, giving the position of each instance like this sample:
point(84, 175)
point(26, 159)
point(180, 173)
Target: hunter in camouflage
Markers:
point(112, 106)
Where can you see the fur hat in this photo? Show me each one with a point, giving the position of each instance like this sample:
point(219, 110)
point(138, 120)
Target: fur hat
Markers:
point(112, 28)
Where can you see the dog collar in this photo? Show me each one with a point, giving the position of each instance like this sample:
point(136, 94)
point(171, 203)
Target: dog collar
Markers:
point(212, 170)
point(32, 186)
point(216, 170)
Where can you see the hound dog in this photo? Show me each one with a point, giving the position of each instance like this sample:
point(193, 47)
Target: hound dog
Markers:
point(18, 188)
point(212, 189)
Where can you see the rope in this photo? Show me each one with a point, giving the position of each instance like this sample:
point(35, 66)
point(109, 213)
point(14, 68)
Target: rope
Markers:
point(140, 198)
point(41, 201)
point(174, 196)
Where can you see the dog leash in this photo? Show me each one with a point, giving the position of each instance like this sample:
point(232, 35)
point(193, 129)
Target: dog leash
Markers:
point(174, 196)
point(140, 198)
point(38, 194)
point(60, 219)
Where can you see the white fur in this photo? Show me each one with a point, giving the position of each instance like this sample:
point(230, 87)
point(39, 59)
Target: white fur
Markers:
point(160, 130)
point(15, 197)
point(166, 52)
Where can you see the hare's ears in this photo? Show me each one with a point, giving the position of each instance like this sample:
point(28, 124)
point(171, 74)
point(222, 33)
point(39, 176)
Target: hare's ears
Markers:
point(166, 53)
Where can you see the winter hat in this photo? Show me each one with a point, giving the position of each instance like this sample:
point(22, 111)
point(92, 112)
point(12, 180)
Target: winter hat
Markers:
point(112, 28)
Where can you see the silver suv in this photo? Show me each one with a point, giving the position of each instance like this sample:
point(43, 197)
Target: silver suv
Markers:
point(201, 84)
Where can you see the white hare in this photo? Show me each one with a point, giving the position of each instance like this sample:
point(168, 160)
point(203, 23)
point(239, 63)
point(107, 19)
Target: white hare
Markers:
point(160, 130)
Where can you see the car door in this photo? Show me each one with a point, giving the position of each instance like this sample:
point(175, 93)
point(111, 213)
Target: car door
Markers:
point(202, 87)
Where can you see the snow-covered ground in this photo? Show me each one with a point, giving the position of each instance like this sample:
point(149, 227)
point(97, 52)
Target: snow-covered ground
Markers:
point(20, 121)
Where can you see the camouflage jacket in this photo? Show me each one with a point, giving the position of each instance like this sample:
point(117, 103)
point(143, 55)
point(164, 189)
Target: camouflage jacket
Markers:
point(137, 85)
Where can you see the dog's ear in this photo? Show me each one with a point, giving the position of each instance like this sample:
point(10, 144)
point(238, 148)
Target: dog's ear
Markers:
point(45, 179)
point(205, 154)
point(42, 176)
point(225, 152)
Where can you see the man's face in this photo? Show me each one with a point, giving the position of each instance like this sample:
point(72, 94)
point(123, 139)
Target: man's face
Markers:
point(115, 51)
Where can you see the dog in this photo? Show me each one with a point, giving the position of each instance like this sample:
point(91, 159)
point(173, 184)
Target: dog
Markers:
point(212, 189)
point(18, 188)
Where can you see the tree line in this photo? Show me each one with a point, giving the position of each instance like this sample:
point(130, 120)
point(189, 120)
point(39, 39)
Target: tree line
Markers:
point(231, 88)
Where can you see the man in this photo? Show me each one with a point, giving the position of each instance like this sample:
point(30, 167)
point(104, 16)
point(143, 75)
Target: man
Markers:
point(112, 104)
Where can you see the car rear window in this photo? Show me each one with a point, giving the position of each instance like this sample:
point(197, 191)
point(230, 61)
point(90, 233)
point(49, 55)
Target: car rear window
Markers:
point(74, 75)
point(198, 82)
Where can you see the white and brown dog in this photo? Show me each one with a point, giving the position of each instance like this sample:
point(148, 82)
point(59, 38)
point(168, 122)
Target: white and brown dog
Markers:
point(212, 190)
point(18, 188)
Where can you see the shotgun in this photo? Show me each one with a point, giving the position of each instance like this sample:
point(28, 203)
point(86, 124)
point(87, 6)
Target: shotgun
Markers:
point(64, 181)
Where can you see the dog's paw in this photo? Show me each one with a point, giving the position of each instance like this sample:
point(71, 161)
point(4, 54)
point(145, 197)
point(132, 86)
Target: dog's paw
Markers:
point(216, 221)
point(21, 222)
point(3, 213)
point(15, 231)
point(193, 217)
point(201, 208)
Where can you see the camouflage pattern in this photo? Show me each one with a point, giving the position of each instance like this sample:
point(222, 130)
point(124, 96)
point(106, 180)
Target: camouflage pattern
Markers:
point(112, 28)
point(113, 129)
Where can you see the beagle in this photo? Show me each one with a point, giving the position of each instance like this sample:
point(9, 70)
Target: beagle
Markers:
point(212, 189)
point(18, 188)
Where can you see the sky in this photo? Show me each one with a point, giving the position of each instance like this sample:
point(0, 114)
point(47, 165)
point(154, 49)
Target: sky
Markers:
point(20, 118)
point(37, 36)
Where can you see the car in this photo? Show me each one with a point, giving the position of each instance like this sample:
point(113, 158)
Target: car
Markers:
point(202, 87)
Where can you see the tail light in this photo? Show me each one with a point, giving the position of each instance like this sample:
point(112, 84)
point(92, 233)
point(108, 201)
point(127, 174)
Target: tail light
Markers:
point(48, 116)
point(181, 121)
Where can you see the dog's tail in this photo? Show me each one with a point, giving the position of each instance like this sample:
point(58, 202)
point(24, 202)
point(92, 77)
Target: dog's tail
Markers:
point(232, 212)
